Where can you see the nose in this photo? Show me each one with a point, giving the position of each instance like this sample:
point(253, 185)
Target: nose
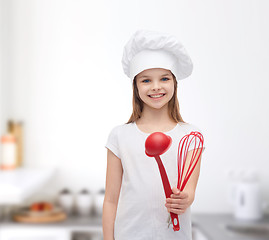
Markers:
point(156, 85)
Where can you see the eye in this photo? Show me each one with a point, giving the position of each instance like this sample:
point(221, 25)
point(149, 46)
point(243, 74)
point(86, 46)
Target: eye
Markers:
point(165, 79)
point(145, 81)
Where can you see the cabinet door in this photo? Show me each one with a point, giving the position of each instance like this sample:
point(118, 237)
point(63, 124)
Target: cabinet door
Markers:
point(29, 233)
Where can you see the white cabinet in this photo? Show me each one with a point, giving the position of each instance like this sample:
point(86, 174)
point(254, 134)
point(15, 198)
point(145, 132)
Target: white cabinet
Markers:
point(73, 228)
point(28, 233)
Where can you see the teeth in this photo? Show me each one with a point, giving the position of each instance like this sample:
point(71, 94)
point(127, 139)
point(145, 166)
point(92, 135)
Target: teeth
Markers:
point(156, 96)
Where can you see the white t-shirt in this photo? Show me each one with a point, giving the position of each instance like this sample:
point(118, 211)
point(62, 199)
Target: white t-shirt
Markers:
point(141, 212)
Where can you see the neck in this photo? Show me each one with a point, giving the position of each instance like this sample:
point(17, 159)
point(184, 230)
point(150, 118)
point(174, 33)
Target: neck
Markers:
point(155, 116)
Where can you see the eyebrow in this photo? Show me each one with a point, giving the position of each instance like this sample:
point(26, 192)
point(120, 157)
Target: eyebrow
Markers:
point(167, 74)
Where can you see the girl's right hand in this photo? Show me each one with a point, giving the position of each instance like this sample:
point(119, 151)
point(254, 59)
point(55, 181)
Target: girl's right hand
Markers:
point(178, 203)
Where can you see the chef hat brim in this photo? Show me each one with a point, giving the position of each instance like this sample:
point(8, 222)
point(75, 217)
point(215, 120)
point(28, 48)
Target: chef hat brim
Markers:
point(148, 49)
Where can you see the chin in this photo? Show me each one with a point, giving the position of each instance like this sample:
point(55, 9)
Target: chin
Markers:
point(157, 106)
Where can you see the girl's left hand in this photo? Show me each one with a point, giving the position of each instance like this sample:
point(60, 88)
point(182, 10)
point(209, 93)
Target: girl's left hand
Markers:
point(178, 203)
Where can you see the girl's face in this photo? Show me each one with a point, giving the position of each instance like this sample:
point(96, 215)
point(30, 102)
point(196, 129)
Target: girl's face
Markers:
point(155, 87)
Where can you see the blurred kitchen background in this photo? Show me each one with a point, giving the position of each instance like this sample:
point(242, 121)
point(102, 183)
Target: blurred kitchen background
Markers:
point(62, 90)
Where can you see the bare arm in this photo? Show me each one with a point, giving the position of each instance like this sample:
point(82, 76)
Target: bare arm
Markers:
point(113, 185)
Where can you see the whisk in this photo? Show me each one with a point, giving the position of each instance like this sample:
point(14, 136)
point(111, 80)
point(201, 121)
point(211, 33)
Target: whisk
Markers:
point(157, 143)
point(183, 149)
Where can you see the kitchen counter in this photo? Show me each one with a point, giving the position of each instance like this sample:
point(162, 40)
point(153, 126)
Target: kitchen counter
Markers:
point(212, 226)
point(225, 227)
point(72, 223)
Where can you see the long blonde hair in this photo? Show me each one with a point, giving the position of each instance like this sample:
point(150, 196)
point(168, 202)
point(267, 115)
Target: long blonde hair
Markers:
point(173, 105)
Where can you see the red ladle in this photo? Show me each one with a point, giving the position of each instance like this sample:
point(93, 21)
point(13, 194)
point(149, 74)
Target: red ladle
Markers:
point(156, 144)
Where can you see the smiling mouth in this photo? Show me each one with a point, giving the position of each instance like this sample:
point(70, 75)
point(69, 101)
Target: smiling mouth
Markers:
point(157, 95)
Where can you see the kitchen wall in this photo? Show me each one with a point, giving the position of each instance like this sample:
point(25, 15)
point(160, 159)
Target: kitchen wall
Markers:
point(1, 68)
point(63, 78)
point(6, 46)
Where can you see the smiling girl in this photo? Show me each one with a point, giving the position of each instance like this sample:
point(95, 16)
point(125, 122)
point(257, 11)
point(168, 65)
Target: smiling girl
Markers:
point(135, 207)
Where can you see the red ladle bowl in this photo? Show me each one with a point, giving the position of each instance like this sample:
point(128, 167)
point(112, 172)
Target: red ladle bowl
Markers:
point(157, 143)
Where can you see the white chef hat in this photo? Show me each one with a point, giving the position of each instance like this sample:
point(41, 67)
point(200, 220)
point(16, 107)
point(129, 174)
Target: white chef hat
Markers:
point(149, 49)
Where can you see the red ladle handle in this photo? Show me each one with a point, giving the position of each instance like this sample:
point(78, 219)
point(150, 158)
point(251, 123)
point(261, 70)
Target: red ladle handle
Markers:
point(167, 190)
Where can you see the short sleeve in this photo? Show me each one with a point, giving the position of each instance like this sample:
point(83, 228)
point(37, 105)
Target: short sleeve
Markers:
point(112, 142)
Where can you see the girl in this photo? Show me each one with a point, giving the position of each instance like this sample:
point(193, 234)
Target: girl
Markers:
point(135, 207)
